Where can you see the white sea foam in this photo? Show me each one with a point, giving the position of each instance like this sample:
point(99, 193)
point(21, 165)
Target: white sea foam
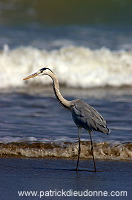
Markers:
point(102, 150)
point(74, 66)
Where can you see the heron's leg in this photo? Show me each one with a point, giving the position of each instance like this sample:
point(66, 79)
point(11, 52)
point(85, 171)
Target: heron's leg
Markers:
point(95, 169)
point(79, 148)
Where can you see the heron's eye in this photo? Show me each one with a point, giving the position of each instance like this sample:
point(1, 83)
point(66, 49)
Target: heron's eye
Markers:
point(43, 69)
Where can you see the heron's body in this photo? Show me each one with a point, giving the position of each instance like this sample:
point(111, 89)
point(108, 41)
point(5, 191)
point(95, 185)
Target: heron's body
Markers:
point(84, 115)
point(87, 117)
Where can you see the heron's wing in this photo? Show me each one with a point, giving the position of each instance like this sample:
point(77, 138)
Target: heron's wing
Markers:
point(87, 117)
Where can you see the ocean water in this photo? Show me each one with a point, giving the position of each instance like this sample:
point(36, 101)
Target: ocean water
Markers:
point(33, 124)
point(91, 54)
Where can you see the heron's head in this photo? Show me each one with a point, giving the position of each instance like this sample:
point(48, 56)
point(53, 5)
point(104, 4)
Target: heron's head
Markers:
point(43, 71)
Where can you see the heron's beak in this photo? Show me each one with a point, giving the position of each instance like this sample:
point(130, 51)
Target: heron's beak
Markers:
point(32, 75)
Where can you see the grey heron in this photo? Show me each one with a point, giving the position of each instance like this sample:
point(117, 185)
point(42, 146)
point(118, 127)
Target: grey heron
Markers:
point(84, 115)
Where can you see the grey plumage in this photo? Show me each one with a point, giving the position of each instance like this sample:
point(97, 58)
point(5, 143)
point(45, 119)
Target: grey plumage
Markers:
point(87, 117)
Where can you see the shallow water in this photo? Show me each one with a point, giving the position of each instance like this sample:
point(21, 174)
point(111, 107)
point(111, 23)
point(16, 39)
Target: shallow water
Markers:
point(35, 116)
point(57, 174)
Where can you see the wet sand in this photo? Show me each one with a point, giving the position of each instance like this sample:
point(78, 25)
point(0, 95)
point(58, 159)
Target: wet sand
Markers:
point(21, 174)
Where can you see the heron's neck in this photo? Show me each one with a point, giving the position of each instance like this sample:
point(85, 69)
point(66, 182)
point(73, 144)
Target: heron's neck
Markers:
point(61, 99)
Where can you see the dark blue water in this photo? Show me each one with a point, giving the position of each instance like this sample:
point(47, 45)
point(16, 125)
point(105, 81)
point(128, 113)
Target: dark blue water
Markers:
point(55, 24)
point(38, 117)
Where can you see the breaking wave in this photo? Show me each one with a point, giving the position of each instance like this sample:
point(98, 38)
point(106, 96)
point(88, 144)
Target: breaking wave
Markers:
point(102, 150)
point(74, 66)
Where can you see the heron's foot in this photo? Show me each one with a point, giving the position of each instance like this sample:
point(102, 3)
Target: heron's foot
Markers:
point(76, 169)
point(95, 170)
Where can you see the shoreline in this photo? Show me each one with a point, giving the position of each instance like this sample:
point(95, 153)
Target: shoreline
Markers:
point(30, 174)
point(62, 158)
